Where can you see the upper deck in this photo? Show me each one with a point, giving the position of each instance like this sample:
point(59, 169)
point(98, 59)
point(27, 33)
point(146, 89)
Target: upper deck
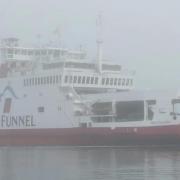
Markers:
point(39, 65)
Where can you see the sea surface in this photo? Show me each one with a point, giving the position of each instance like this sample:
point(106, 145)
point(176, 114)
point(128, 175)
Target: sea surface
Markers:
point(89, 163)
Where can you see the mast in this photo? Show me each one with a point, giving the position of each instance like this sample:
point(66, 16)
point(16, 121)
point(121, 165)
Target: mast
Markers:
point(99, 42)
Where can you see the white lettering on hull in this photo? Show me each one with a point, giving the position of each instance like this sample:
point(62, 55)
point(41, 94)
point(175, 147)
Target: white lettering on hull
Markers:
point(17, 121)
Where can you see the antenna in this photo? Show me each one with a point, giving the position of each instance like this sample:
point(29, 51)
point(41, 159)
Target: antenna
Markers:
point(39, 39)
point(57, 32)
point(99, 42)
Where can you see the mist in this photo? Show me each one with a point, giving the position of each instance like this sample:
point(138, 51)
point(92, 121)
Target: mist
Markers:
point(143, 35)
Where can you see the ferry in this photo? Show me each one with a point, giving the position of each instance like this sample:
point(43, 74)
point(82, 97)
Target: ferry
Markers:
point(56, 96)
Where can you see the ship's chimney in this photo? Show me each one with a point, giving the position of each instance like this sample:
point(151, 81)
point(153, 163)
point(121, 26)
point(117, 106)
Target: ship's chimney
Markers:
point(99, 43)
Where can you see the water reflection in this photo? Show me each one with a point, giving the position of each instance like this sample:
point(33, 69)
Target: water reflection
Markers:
point(89, 163)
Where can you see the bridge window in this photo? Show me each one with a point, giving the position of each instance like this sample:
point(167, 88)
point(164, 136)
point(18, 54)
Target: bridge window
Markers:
point(79, 79)
point(123, 82)
point(96, 80)
point(115, 81)
point(111, 81)
point(39, 80)
point(56, 79)
point(47, 78)
point(92, 80)
point(70, 79)
point(83, 80)
point(66, 79)
point(75, 79)
point(32, 81)
point(103, 81)
point(24, 82)
point(35, 81)
point(119, 82)
point(107, 81)
point(60, 78)
point(127, 82)
point(42, 80)
point(51, 79)
point(88, 80)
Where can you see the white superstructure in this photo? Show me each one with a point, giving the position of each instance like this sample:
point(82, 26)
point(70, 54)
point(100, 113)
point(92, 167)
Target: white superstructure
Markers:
point(56, 66)
point(54, 96)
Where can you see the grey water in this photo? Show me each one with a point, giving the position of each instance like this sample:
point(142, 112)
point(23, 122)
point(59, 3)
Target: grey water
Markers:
point(89, 163)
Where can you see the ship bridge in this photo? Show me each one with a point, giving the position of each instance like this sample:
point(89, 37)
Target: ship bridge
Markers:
point(45, 66)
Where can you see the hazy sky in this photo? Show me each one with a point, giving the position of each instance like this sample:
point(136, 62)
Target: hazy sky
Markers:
point(141, 34)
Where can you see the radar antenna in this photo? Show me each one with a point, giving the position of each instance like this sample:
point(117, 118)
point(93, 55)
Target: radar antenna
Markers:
point(99, 42)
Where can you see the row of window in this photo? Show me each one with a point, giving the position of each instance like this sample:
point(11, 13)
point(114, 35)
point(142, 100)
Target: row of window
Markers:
point(43, 52)
point(117, 81)
point(77, 80)
point(35, 52)
point(94, 80)
point(42, 80)
point(81, 79)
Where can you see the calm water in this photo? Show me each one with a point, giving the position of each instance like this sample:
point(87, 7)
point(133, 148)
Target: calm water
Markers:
point(69, 163)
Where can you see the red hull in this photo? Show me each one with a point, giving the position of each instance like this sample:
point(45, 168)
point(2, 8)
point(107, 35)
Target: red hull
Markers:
point(160, 135)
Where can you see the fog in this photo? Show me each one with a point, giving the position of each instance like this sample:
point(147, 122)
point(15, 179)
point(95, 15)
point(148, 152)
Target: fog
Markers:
point(143, 35)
